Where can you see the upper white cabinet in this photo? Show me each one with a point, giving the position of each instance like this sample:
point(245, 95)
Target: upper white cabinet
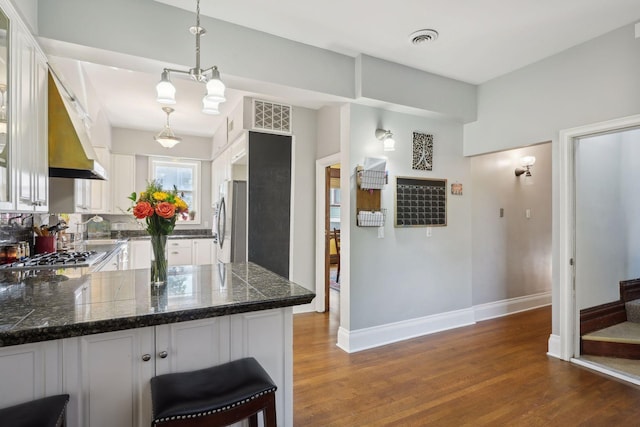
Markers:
point(100, 191)
point(28, 137)
point(123, 182)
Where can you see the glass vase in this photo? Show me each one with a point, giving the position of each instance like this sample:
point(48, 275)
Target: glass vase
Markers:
point(159, 259)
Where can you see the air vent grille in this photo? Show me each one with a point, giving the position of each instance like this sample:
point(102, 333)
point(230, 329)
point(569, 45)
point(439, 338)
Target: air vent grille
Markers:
point(271, 116)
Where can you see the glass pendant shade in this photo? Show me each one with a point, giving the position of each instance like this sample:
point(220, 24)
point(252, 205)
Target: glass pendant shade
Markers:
point(215, 87)
point(166, 137)
point(165, 90)
point(210, 107)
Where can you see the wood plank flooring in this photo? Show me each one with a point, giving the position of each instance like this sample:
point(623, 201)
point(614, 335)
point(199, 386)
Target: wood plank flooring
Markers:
point(494, 373)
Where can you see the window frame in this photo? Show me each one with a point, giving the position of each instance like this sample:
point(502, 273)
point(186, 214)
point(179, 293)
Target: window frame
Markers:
point(155, 161)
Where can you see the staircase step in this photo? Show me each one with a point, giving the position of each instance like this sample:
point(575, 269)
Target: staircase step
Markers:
point(625, 332)
point(621, 340)
point(633, 310)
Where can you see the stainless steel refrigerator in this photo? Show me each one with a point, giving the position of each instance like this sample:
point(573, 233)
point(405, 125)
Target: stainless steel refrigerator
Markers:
point(230, 222)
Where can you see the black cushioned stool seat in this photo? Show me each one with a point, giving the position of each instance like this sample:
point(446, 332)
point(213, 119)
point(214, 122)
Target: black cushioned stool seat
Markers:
point(46, 412)
point(216, 396)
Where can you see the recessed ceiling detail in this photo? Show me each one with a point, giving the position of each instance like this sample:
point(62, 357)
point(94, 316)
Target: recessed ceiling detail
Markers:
point(423, 36)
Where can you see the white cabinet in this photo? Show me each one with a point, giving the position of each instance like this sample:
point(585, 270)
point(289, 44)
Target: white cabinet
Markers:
point(179, 252)
point(100, 191)
point(29, 121)
point(29, 371)
point(139, 254)
point(82, 195)
point(107, 376)
point(203, 251)
point(123, 182)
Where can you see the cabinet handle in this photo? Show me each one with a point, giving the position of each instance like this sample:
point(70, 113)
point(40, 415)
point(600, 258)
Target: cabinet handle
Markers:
point(163, 354)
point(146, 357)
point(175, 253)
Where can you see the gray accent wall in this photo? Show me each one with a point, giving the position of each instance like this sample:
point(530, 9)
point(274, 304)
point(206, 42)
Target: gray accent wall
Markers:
point(511, 253)
point(407, 275)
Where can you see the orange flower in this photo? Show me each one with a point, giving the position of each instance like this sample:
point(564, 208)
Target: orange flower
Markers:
point(165, 210)
point(142, 210)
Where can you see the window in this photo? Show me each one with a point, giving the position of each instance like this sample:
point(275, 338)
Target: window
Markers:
point(185, 176)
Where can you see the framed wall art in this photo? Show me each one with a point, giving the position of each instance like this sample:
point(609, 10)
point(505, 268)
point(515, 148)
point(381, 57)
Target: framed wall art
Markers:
point(420, 202)
point(422, 157)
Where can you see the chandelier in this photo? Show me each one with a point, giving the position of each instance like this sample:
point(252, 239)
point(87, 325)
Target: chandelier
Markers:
point(211, 77)
point(166, 137)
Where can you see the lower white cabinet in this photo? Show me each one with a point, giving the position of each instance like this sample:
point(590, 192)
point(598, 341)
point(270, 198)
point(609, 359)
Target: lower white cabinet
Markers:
point(203, 250)
point(179, 252)
point(29, 371)
point(108, 374)
point(139, 254)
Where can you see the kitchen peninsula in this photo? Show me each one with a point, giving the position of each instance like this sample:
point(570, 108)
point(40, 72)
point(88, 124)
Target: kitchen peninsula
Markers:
point(101, 336)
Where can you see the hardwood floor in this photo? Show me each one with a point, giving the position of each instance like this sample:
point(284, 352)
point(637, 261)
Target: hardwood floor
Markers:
point(493, 373)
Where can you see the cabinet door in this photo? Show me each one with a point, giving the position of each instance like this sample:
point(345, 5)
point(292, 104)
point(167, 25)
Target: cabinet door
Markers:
point(82, 195)
point(40, 147)
point(179, 252)
point(29, 123)
point(268, 336)
point(139, 254)
point(28, 372)
point(202, 251)
point(100, 191)
point(192, 345)
point(123, 177)
point(108, 378)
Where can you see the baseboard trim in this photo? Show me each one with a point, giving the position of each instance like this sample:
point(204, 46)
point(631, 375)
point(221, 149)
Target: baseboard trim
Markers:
point(376, 336)
point(510, 306)
point(553, 346)
point(305, 308)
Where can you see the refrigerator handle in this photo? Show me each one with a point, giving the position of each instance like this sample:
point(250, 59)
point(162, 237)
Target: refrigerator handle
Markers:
point(221, 225)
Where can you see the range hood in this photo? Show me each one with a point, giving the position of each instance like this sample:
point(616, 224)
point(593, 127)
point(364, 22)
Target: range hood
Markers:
point(71, 154)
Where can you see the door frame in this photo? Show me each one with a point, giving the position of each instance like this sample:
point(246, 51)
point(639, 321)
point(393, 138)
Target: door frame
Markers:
point(321, 165)
point(569, 339)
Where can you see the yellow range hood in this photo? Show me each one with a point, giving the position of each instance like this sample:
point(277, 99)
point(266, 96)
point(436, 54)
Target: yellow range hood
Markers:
point(71, 154)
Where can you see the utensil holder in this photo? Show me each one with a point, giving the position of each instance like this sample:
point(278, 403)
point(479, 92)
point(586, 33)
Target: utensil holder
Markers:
point(45, 244)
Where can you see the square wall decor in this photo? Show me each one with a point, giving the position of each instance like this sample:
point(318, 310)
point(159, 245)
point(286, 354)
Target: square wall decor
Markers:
point(422, 151)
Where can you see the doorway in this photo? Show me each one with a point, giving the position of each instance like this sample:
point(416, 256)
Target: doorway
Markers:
point(332, 239)
point(577, 238)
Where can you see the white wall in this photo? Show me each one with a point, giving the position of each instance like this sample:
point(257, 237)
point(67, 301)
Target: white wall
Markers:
point(407, 275)
point(303, 179)
point(607, 215)
point(511, 254)
point(328, 131)
point(142, 144)
point(592, 82)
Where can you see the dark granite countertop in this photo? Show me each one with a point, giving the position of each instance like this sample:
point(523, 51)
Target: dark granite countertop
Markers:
point(55, 304)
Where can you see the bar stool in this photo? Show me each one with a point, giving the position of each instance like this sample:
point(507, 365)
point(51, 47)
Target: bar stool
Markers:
point(46, 412)
point(214, 397)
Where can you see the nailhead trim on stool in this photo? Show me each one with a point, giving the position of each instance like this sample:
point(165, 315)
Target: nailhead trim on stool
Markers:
point(46, 412)
point(234, 391)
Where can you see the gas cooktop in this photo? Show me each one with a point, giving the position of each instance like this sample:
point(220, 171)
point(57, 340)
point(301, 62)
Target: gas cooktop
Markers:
point(55, 260)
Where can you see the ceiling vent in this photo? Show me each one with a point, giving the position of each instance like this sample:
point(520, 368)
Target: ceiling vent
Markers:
point(423, 36)
point(271, 116)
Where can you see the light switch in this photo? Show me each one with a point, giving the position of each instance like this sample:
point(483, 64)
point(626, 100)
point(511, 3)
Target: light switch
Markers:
point(527, 213)
point(429, 232)
point(501, 212)
point(380, 232)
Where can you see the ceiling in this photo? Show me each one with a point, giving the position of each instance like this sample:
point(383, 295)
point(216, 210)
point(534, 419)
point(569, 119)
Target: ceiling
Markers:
point(478, 40)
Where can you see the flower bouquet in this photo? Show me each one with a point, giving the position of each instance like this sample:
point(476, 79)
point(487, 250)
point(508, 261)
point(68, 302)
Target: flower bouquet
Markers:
point(160, 209)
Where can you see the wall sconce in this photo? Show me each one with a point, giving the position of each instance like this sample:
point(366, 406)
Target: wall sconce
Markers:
point(527, 162)
point(387, 139)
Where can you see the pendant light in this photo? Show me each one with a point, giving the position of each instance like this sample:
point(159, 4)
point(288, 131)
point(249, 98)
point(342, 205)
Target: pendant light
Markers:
point(166, 137)
point(166, 92)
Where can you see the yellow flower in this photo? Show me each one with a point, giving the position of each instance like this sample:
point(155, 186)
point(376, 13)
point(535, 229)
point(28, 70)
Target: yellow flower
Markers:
point(160, 196)
point(180, 204)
